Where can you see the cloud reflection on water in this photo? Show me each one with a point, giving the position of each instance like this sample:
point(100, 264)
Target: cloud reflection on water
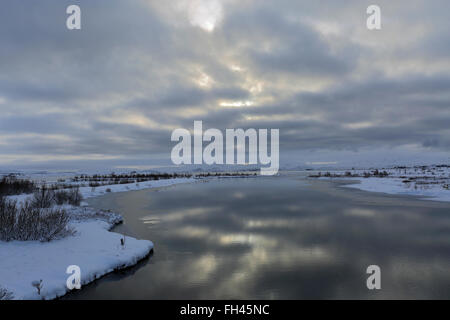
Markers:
point(282, 239)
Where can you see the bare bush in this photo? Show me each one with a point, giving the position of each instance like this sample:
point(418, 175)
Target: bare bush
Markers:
point(61, 197)
point(43, 198)
point(31, 223)
point(5, 294)
point(10, 185)
point(8, 211)
point(38, 285)
point(75, 196)
point(72, 197)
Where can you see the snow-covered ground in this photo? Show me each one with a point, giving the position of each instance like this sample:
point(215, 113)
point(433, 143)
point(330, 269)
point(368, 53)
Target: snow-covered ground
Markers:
point(89, 192)
point(93, 248)
point(429, 182)
point(396, 186)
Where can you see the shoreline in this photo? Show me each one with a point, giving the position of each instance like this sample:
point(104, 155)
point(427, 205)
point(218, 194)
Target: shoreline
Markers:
point(95, 247)
point(394, 187)
point(430, 183)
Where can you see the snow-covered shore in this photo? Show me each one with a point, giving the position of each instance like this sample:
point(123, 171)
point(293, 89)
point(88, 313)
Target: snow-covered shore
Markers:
point(396, 186)
point(428, 182)
point(94, 248)
point(90, 192)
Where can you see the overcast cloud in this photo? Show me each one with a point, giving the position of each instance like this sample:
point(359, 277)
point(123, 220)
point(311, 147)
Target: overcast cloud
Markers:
point(113, 91)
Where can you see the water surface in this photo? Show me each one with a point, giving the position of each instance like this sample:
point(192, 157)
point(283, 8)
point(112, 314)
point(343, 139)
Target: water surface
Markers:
point(278, 238)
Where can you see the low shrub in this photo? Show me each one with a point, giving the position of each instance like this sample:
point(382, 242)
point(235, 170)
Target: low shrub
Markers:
point(72, 197)
point(31, 223)
point(10, 185)
point(46, 197)
point(43, 198)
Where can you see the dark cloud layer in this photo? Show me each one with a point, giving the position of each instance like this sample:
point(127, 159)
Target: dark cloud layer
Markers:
point(137, 70)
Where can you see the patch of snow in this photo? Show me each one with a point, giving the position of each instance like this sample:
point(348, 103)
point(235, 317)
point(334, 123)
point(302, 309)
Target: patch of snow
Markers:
point(396, 186)
point(89, 192)
point(429, 182)
point(94, 249)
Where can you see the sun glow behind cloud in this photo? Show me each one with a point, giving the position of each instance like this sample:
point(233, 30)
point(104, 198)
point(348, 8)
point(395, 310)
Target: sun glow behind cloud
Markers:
point(205, 14)
point(236, 104)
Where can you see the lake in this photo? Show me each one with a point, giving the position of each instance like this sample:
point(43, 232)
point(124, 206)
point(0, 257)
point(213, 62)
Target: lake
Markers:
point(283, 237)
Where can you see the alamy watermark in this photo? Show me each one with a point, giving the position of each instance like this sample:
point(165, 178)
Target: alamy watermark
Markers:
point(374, 19)
point(74, 280)
point(73, 21)
point(187, 151)
point(374, 280)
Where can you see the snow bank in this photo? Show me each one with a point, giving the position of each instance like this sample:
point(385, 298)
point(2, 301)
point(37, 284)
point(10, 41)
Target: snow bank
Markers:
point(396, 186)
point(429, 182)
point(89, 192)
point(94, 249)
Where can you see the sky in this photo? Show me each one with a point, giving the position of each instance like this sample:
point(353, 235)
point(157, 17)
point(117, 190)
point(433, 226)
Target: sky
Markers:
point(111, 93)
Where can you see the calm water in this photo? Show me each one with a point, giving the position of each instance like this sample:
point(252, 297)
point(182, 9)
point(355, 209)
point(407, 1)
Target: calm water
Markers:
point(278, 238)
